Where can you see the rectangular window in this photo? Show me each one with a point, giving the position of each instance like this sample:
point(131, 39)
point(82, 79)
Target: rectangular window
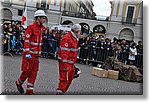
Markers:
point(38, 4)
point(130, 14)
point(20, 12)
point(43, 4)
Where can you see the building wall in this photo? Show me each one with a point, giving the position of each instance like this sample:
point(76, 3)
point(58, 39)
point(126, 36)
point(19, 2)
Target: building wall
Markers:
point(91, 23)
point(53, 13)
point(120, 8)
point(119, 15)
point(113, 27)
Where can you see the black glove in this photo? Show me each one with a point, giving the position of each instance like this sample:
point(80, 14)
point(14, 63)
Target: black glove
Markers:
point(77, 72)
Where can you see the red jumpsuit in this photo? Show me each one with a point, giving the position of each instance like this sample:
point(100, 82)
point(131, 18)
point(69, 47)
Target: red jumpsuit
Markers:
point(32, 45)
point(67, 56)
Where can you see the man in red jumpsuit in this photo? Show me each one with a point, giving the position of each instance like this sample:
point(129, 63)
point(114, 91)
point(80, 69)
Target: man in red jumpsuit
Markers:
point(67, 57)
point(32, 51)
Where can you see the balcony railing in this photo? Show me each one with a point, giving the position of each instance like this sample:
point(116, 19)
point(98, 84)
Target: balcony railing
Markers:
point(78, 15)
point(6, 2)
point(127, 20)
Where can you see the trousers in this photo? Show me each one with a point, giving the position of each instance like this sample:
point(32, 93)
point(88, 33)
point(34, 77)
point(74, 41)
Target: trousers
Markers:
point(29, 71)
point(66, 75)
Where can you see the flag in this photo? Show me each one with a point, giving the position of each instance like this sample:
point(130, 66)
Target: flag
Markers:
point(24, 17)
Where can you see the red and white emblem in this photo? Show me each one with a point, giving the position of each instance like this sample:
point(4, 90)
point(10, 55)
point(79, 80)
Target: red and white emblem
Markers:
point(28, 36)
point(66, 44)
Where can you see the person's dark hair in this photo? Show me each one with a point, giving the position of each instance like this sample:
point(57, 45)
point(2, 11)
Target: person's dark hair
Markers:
point(36, 18)
point(134, 44)
point(139, 41)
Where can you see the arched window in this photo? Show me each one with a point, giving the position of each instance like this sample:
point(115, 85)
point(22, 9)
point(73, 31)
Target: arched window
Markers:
point(6, 14)
point(99, 29)
point(127, 34)
point(85, 28)
point(67, 22)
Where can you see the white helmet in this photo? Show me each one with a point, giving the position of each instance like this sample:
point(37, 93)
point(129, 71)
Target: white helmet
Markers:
point(39, 13)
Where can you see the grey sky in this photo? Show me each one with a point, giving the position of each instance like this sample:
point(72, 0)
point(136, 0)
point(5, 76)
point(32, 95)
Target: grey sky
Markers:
point(102, 7)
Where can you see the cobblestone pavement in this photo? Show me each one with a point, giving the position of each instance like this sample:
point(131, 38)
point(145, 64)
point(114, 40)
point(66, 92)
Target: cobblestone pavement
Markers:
point(47, 80)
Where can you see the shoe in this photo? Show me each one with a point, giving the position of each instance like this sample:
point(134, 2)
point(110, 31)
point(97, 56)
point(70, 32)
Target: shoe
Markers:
point(29, 92)
point(59, 92)
point(20, 88)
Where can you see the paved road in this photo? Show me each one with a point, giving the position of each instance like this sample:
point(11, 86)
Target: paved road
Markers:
point(47, 80)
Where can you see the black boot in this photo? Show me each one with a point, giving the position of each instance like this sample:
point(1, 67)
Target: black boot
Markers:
point(19, 87)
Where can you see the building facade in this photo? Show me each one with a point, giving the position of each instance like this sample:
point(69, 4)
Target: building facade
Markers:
point(124, 22)
point(126, 19)
point(79, 9)
point(13, 9)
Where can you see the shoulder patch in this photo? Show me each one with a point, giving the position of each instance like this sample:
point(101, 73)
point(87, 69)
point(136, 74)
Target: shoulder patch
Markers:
point(66, 44)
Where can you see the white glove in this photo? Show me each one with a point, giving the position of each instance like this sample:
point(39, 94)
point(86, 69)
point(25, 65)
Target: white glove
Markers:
point(28, 56)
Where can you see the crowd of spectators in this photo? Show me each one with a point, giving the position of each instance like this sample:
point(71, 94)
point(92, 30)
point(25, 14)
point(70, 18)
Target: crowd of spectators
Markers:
point(90, 47)
point(12, 36)
point(98, 48)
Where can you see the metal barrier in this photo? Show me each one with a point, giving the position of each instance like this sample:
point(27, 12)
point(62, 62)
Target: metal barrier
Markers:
point(139, 61)
point(7, 47)
point(94, 54)
point(89, 54)
point(11, 46)
point(49, 48)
